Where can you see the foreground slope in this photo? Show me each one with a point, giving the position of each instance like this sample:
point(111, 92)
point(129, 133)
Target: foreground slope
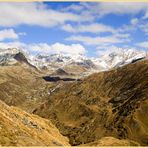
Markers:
point(18, 128)
point(112, 103)
point(111, 141)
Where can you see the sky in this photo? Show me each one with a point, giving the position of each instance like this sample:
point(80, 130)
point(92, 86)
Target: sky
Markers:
point(73, 28)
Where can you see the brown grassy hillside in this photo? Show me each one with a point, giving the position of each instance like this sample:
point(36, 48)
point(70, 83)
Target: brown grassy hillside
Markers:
point(112, 103)
point(111, 141)
point(22, 86)
point(18, 128)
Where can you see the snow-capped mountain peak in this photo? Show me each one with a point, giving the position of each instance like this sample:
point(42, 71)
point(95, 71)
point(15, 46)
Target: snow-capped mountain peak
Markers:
point(121, 56)
point(10, 51)
point(11, 56)
point(110, 59)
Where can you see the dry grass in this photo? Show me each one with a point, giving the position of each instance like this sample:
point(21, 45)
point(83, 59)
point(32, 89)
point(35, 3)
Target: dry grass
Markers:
point(18, 128)
point(113, 103)
point(23, 86)
point(111, 141)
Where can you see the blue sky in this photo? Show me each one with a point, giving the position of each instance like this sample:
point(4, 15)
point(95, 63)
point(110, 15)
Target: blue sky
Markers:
point(73, 27)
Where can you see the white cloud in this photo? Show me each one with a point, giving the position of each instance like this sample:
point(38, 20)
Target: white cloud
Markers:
point(134, 21)
point(73, 7)
point(146, 15)
point(12, 14)
point(93, 28)
point(134, 25)
point(122, 8)
point(97, 40)
point(101, 49)
point(8, 34)
point(122, 35)
point(143, 44)
point(57, 48)
point(144, 28)
point(118, 8)
point(4, 45)
point(22, 33)
point(68, 28)
point(126, 28)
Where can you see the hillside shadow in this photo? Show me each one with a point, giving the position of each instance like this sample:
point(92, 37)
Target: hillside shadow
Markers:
point(55, 79)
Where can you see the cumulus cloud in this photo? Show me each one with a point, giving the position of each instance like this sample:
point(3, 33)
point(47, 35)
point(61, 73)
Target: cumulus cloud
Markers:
point(57, 48)
point(101, 49)
point(93, 28)
point(144, 27)
point(118, 8)
point(123, 8)
point(125, 36)
point(12, 14)
point(134, 21)
point(146, 15)
point(143, 44)
point(73, 7)
point(37, 13)
point(8, 34)
point(17, 44)
point(87, 40)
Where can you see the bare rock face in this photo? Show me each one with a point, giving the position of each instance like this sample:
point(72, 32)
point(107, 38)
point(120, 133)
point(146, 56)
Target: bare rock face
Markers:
point(13, 56)
point(20, 57)
point(107, 104)
point(18, 128)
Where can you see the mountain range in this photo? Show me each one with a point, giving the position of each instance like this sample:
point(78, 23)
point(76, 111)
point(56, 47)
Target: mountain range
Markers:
point(64, 100)
point(70, 63)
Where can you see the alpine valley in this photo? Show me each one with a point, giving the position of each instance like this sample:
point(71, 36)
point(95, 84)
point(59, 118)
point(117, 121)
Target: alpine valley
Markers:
point(65, 100)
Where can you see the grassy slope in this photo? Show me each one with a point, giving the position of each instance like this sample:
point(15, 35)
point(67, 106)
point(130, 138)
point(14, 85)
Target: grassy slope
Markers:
point(113, 103)
point(22, 86)
point(18, 128)
point(111, 141)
